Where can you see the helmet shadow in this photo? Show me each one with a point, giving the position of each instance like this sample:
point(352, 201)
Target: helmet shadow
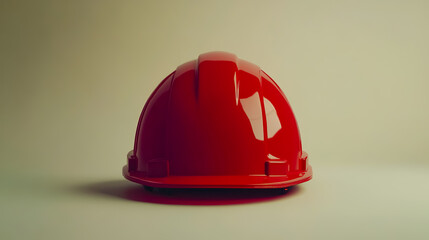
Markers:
point(122, 189)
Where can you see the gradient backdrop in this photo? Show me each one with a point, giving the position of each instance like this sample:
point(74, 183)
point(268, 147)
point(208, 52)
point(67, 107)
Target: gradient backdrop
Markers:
point(74, 76)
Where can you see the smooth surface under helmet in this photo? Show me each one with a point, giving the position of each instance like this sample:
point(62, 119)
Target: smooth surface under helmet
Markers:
point(217, 122)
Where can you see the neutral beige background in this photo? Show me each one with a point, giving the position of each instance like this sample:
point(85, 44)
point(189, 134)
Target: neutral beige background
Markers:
point(75, 75)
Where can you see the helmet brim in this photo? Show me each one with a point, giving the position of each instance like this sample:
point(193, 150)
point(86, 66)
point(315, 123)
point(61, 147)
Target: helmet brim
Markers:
point(252, 181)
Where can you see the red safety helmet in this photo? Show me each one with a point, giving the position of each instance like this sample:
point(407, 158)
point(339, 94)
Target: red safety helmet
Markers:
point(217, 122)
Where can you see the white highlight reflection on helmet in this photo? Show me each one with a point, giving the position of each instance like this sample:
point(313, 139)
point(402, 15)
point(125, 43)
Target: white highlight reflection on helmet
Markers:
point(273, 121)
point(252, 108)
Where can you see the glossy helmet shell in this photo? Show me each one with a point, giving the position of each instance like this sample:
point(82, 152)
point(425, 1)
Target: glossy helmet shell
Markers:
point(217, 122)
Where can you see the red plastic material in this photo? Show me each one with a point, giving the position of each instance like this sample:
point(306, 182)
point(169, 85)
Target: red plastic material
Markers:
point(217, 122)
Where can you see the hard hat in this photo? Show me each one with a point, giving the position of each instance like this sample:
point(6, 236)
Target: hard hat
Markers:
point(217, 122)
